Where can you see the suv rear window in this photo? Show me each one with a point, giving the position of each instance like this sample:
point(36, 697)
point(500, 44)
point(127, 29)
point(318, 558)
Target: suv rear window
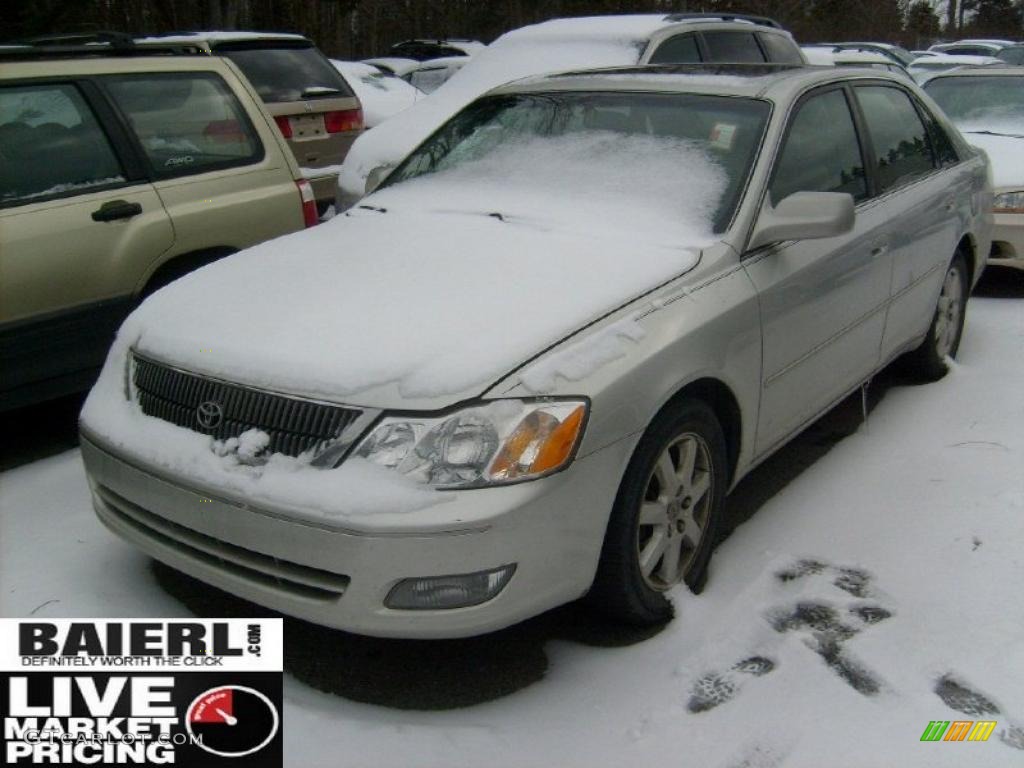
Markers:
point(51, 145)
point(732, 47)
point(780, 49)
point(287, 73)
point(186, 122)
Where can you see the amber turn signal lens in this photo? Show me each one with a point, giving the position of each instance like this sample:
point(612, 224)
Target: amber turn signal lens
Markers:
point(539, 444)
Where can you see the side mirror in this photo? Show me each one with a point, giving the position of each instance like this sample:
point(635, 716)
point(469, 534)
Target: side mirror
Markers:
point(375, 177)
point(804, 216)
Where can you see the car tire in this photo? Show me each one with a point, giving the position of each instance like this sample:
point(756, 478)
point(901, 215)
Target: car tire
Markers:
point(928, 361)
point(664, 523)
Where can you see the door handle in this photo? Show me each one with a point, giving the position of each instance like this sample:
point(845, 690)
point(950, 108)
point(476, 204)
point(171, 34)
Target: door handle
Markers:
point(879, 247)
point(950, 203)
point(116, 209)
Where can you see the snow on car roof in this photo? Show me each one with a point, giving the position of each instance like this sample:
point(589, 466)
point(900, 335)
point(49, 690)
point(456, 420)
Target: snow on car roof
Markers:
point(225, 36)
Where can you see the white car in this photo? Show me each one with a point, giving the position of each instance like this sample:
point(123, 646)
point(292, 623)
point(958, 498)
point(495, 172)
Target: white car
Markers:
point(382, 95)
point(927, 67)
point(987, 105)
point(971, 47)
point(824, 56)
point(564, 45)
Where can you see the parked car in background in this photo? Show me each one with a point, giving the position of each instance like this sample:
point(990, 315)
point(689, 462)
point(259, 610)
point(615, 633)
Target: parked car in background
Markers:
point(895, 53)
point(426, 76)
point(121, 169)
point(381, 95)
point(823, 56)
point(987, 105)
point(314, 108)
point(426, 49)
point(560, 45)
point(563, 328)
point(391, 65)
point(924, 68)
point(432, 74)
point(971, 47)
point(1012, 54)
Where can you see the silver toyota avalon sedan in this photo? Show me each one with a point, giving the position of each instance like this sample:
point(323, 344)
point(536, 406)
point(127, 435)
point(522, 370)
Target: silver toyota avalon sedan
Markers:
point(530, 365)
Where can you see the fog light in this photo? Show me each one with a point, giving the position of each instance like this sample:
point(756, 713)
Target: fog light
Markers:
point(457, 591)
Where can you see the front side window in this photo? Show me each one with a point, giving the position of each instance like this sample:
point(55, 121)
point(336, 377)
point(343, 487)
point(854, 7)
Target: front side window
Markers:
point(685, 156)
point(732, 47)
point(681, 49)
point(901, 146)
point(186, 122)
point(821, 152)
point(51, 145)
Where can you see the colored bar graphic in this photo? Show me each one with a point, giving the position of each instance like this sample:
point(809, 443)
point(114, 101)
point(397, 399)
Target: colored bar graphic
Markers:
point(935, 730)
point(982, 730)
point(958, 730)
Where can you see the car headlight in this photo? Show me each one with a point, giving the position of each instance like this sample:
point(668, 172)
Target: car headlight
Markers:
point(503, 441)
point(1008, 202)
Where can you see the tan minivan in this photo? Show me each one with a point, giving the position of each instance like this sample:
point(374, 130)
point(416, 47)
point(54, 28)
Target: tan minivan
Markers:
point(315, 109)
point(121, 170)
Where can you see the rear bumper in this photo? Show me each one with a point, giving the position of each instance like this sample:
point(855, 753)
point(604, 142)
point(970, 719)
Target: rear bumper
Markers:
point(1008, 241)
point(550, 529)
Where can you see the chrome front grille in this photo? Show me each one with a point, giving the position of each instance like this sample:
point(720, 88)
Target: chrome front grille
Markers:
point(294, 425)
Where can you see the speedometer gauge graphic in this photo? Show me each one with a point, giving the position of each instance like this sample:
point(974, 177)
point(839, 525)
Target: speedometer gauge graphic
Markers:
point(232, 720)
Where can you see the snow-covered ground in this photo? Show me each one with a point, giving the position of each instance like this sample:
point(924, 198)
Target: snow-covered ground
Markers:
point(879, 590)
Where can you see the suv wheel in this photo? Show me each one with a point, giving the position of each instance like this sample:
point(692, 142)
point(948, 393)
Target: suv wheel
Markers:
point(665, 519)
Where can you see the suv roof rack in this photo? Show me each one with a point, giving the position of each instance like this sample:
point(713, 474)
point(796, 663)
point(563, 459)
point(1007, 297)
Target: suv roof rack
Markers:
point(71, 45)
point(764, 21)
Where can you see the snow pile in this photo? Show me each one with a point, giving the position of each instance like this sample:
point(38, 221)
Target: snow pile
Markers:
point(380, 95)
point(553, 46)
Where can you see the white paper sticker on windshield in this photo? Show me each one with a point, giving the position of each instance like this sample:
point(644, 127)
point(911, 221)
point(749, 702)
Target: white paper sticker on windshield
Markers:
point(722, 135)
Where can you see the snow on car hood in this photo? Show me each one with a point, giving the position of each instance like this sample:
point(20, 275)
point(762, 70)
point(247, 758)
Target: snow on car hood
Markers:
point(1005, 151)
point(409, 308)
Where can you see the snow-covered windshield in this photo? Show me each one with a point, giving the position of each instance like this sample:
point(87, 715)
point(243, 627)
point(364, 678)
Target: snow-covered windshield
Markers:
point(684, 155)
point(984, 103)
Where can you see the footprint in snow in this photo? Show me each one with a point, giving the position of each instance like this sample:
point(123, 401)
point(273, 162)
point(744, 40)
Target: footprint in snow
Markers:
point(825, 629)
point(958, 696)
point(716, 688)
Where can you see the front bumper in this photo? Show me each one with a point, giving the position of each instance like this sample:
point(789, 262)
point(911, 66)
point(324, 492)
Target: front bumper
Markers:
point(1008, 241)
point(329, 574)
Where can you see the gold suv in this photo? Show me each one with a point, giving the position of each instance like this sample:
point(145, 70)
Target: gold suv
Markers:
point(312, 104)
point(122, 169)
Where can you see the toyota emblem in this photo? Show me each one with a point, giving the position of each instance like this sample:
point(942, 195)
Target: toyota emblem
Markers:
point(209, 414)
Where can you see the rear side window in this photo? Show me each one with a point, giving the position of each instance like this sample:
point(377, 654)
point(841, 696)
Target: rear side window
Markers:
point(732, 47)
point(283, 74)
point(945, 151)
point(186, 122)
point(51, 145)
point(681, 49)
point(780, 49)
point(902, 150)
point(821, 152)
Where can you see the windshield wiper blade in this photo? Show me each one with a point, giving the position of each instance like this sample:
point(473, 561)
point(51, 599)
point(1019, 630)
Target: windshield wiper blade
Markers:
point(997, 133)
point(319, 90)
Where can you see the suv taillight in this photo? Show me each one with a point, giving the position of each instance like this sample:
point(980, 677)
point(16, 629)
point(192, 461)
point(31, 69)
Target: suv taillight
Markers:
point(309, 213)
point(285, 125)
point(345, 120)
